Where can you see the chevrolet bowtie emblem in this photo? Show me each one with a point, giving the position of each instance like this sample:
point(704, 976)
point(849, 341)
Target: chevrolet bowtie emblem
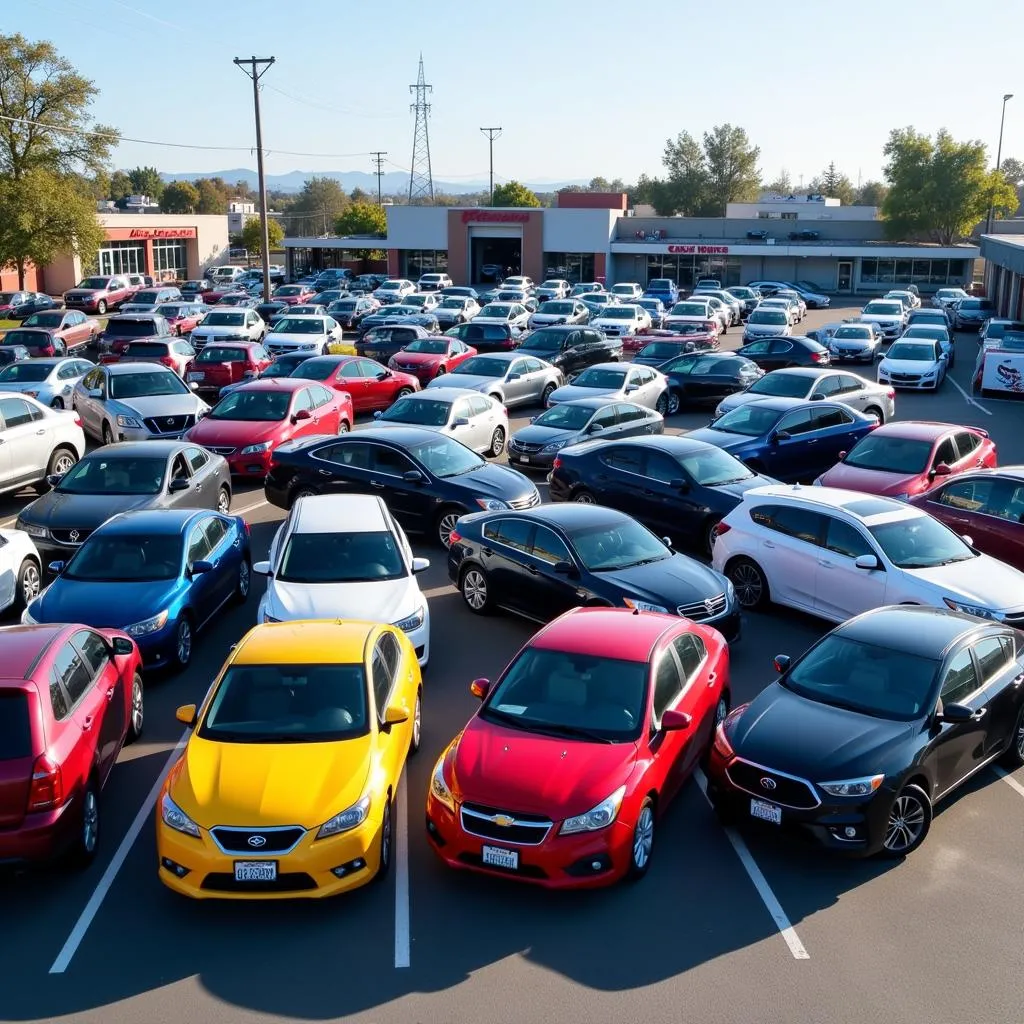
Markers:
point(503, 820)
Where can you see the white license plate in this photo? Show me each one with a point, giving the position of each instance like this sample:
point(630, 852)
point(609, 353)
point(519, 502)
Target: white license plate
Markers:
point(255, 870)
point(524, 458)
point(496, 857)
point(766, 811)
point(197, 376)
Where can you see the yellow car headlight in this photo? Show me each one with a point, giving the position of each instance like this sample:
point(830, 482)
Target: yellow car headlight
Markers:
point(346, 820)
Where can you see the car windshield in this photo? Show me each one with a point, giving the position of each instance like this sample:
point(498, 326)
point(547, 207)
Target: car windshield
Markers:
point(343, 306)
point(750, 420)
point(126, 558)
point(147, 298)
point(770, 317)
point(290, 289)
point(561, 308)
point(169, 311)
point(252, 406)
point(551, 284)
point(94, 283)
point(598, 377)
point(712, 467)
point(282, 367)
point(623, 289)
point(904, 455)
point(293, 325)
point(414, 300)
point(661, 284)
point(452, 302)
point(565, 417)
point(884, 308)
point(222, 354)
point(483, 366)
point(911, 352)
point(920, 543)
point(99, 475)
point(660, 350)
point(740, 293)
point(864, 678)
point(429, 346)
point(392, 286)
point(44, 320)
point(218, 319)
point(975, 304)
point(576, 696)
point(932, 333)
point(341, 557)
point(619, 313)
point(617, 544)
point(25, 373)
point(319, 703)
point(782, 385)
point(146, 383)
point(689, 309)
point(497, 309)
point(859, 333)
point(424, 412)
point(445, 457)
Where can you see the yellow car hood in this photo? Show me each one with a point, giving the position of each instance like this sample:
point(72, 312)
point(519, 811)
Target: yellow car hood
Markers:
point(270, 783)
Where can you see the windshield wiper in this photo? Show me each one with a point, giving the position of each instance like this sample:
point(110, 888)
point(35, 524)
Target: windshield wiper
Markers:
point(577, 732)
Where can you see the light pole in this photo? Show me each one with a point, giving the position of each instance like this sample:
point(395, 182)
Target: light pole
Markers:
point(999, 157)
point(492, 134)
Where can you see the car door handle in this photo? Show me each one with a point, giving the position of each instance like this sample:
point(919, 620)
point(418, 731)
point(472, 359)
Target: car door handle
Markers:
point(826, 565)
point(979, 714)
point(712, 678)
point(768, 543)
point(87, 723)
point(1017, 680)
point(40, 432)
point(532, 570)
point(324, 472)
point(110, 693)
point(376, 483)
point(488, 552)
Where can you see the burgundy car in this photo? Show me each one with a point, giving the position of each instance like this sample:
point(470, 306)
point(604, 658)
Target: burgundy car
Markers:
point(427, 358)
point(70, 698)
point(293, 294)
point(37, 340)
point(222, 363)
point(370, 385)
point(182, 317)
point(99, 294)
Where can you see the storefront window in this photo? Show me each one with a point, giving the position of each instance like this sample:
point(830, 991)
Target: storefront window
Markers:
point(573, 267)
point(170, 261)
point(122, 258)
point(425, 261)
point(686, 271)
point(893, 273)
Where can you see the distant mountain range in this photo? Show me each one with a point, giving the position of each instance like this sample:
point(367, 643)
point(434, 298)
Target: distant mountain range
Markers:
point(392, 183)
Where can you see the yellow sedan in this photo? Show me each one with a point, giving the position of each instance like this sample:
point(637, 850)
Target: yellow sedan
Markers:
point(286, 785)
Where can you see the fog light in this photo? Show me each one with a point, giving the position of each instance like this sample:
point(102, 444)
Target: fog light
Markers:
point(175, 869)
point(596, 865)
point(850, 832)
point(346, 869)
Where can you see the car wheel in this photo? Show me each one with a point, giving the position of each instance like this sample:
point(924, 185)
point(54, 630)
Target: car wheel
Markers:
point(475, 590)
point(446, 524)
point(182, 656)
point(387, 843)
point(546, 393)
point(86, 840)
point(138, 710)
point(661, 405)
point(29, 583)
point(749, 580)
point(223, 501)
point(403, 393)
point(108, 434)
point(57, 403)
point(876, 412)
point(497, 443)
point(244, 582)
point(343, 427)
point(303, 492)
point(721, 710)
point(417, 724)
point(674, 402)
point(101, 307)
point(441, 371)
point(910, 818)
point(642, 847)
point(61, 461)
point(709, 536)
point(1014, 756)
point(584, 497)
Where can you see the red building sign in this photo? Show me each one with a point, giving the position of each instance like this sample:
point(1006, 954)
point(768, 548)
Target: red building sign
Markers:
point(700, 250)
point(494, 217)
point(157, 233)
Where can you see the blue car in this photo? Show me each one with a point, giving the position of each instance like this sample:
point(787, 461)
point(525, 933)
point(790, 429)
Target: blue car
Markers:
point(790, 439)
point(662, 288)
point(160, 575)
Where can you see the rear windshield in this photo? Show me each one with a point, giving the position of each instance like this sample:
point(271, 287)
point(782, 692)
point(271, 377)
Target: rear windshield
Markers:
point(15, 733)
point(222, 354)
point(147, 348)
point(132, 328)
point(224, 320)
point(151, 297)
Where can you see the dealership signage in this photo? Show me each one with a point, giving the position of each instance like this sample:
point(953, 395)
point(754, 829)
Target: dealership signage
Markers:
point(494, 217)
point(156, 233)
point(700, 250)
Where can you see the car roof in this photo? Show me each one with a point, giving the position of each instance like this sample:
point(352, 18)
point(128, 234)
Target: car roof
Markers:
point(571, 515)
point(813, 372)
point(119, 317)
point(316, 642)
point(53, 361)
point(912, 629)
point(399, 434)
point(558, 328)
point(118, 368)
point(869, 508)
point(609, 366)
point(158, 522)
point(785, 404)
point(919, 430)
point(133, 449)
point(599, 402)
point(504, 356)
point(327, 513)
point(606, 633)
point(21, 647)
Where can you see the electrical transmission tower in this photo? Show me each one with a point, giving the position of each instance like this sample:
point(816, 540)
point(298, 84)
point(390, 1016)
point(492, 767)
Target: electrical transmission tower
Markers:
point(421, 179)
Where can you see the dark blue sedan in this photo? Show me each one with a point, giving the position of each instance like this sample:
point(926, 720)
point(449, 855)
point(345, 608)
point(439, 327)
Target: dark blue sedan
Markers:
point(159, 575)
point(788, 438)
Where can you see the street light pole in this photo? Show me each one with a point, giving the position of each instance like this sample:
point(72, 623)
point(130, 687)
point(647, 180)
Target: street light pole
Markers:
point(492, 134)
point(999, 157)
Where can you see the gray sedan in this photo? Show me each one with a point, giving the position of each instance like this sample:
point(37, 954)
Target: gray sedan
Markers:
point(510, 378)
point(642, 385)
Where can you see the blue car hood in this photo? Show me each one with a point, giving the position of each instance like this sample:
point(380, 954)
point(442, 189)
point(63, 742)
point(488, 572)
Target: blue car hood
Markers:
point(723, 439)
point(102, 604)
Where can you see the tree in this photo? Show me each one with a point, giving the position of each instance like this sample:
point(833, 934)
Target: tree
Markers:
point(179, 197)
point(686, 187)
point(833, 184)
point(357, 195)
point(214, 195)
point(1013, 172)
point(362, 219)
point(940, 188)
point(781, 185)
point(252, 235)
point(732, 171)
point(871, 193)
point(120, 186)
point(323, 201)
point(44, 214)
point(146, 181)
point(514, 193)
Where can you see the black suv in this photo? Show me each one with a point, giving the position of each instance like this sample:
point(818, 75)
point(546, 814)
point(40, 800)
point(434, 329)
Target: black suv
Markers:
point(571, 348)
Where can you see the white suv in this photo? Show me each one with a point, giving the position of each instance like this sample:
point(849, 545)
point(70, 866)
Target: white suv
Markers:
point(36, 442)
point(433, 282)
point(228, 325)
point(837, 553)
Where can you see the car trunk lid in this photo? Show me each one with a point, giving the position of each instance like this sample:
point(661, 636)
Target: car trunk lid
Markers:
point(16, 753)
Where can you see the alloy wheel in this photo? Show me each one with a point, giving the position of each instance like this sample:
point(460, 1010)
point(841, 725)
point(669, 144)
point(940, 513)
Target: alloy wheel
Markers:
point(90, 821)
point(445, 526)
point(57, 403)
point(183, 643)
point(244, 579)
point(748, 583)
point(643, 837)
point(584, 498)
point(417, 723)
point(138, 707)
point(721, 710)
point(474, 589)
point(385, 839)
point(30, 582)
point(673, 404)
point(497, 442)
point(223, 502)
point(907, 820)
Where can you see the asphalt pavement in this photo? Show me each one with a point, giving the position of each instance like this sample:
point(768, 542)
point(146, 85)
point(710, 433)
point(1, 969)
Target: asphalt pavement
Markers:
point(726, 927)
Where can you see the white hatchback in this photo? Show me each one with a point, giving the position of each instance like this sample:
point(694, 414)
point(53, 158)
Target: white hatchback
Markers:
point(343, 556)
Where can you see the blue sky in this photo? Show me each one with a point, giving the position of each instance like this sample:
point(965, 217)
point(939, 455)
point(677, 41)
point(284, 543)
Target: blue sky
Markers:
point(580, 90)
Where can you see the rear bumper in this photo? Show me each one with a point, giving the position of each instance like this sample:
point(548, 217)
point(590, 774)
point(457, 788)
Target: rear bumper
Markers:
point(40, 837)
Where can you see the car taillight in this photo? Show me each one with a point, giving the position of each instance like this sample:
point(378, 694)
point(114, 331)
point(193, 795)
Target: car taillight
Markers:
point(721, 527)
point(710, 325)
point(167, 361)
point(47, 788)
point(454, 537)
point(891, 393)
point(49, 351)
point(557, 464)
point(78, 420)
point(815, 357)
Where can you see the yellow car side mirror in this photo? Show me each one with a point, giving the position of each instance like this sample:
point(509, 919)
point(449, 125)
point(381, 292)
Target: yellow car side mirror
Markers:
point(186, 714)
point(395, 715)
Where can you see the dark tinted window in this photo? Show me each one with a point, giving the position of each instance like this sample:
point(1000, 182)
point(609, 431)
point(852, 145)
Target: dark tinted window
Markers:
point(350, 454)
point(93, 650)
point(549, 547)
point(690, 651)
point(514, 533)
point(389, 461)
point(662, 468)
point(667, 685)
point(844, 539)
point(993, 654)
point(15, 412)
point(58, 701)
point(832, 416)
point(966, 442)
point(792, 521)
point(798, 422)
point(72, 672)
point(627, 460)
point(15, 733)
point(961, 679)
point(387, 656)
point(946, 453)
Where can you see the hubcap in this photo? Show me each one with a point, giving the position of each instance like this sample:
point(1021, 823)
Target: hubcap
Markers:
point(720, 712)
point(498, 442)
point(445, 528)
point(224, 503)
point(137, 707)
point(906, 820)
point(747, 581)
point(184, 642)
point(584, 498)
point(474, 589)
point(30, 583)
point(243, 579)
point(417, 716)
point(90, 821)
point(673, 405)
point(643, 838)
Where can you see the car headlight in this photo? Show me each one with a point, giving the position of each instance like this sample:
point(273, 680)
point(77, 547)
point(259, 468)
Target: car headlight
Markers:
point(556, 445)
point(129, 421)
point(347, 820)
point(151, 625)
point(492, 504)
point(174, 817)
point(969, 609)
point(597, 817)
point(255, 449)
point(411, 622)
point(439, 787)
point(730, 592)
point(642, 606)
point(33, 531)
point(853, 787)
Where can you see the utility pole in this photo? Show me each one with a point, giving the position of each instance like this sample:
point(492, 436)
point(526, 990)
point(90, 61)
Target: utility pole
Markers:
point(999, 157)
point(255, 68)
point(378, 159)
point(492, 134)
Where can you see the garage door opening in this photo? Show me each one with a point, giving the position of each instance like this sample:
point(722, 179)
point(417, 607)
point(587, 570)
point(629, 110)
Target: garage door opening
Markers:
point(492, 259)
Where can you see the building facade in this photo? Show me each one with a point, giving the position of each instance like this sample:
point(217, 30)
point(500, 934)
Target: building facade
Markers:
point(1004, 273)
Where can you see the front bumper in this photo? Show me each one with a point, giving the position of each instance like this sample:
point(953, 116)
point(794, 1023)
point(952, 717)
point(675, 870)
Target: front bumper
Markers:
point(864, 355)
point(911, 384)
point(531, 460)
point(256, 465)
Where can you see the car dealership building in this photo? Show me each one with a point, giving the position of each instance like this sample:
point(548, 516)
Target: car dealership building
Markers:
point(1004, 273)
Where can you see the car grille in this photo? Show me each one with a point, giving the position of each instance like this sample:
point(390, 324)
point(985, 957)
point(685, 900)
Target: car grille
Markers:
point(905, 378)
point(256, 840)
point(169, 424)
point(522, 829)
point(409, 367)
point(219, 450)
point(293, 881)
point(69, 536)
point(780, 789)
point(703, 609)
point(530, 501)
point(520, 446)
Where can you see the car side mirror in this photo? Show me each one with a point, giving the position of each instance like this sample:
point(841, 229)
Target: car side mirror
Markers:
point(179, 483)
point(383, 375)
point(412, 476)
point(842, 456)
point(96, 393)
point(200, 567)
point(122, 646)
point(377, 415)
point(514, 376)
point(956, 714)
point(420, 565)
point(679, 484)
point(460, 421)
point(193, 386)
point(866, 562)
point(967, 539)
point(54, 478)
point(630, 388)
point(565, 569)
point(941, 470)
point(395, 715)
point(595, 428)
point(674, 721)
point(186, 714)
point(56, 567)
point(262, 569)
point(480, 688)
point(817, 398)
point(781, 662)
point(302, 414)
point(781, 435)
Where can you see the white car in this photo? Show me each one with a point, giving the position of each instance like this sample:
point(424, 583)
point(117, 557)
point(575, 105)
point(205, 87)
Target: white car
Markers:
point(692, 311)
point(228, 325)
point(929, 332)
point(36, 442)
point(836, 553)
point(787, 306)
point(423, 302)
point(433, 282)
point(559, 311)
point(944, 298)
point(909, 299)
point(524, 284)
point(305, 333)
point(767, 322)
point(622, 321)
point(478, 421)
point(795, 297)
point(918, 364)
point(455, 309)
point(641, 385)
point(394, 290)
point(888, 315)
point(342, 556)
point(627, 291)
point(20, 570)
point(552, 288)
point(512, 313)
point(50, 380)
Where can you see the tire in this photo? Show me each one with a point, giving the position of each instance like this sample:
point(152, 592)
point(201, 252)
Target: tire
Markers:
point(661, 406)
point(244, 582)
point(546, 393)
point(1013, 758)
point(475, 590)
point(387, 844)
point(583, 497)
point(61, 461)
point(184, 641)
point(403, 393)
point(343, 427)
point(29, 583)
point(709, 535)
point(417, 725)
point(750, 582)
point(137, 714)
point(108, 434)
point(441, 371)
point(642, 846)
point(876, 412)
point(224, 501)
point(302, 492)
point(675, 403)
point(57, 403)
point(910, 818)
point(101, 307)
point(497, 443)
point(87, 836)
point(721, 710)
point(445, 523)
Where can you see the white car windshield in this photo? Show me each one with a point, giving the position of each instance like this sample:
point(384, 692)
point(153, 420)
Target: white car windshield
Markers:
point(340, 558)
point(597, 377)
point(423, 412)
point(146, 383)
point(561, 308)
point(857, 333)
point(497, 310)
point(224, 320)
point(912, 353)
point(619, 313)
point(292, 325)
point(689, 309)
point(769, 317)
point(883, 309)
point(920, 543)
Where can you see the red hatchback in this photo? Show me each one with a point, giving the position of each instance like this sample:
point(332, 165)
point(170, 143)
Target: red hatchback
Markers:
point(427, 358)
point(577, 749)
point(70, 698)
point(223, 363)
point(371, 385)
point(904, 459)
point(249, 423)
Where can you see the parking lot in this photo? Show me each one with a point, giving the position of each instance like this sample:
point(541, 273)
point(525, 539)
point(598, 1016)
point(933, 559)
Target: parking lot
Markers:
point(726, 927)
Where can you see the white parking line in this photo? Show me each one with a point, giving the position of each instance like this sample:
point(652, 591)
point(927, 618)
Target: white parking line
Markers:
point(74, 940)
point(248, 508)
point(1008, 779)
point(969, 399)
point(764, 890)
point(4, 523)
point(402, 951)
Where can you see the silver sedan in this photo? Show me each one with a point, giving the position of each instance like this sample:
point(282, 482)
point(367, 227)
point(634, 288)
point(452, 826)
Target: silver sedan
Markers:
point(510, 378)
point(478, 421)
point(641, 385)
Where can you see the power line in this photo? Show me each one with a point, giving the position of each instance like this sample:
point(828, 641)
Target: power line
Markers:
point(492, 134)
point(328, 107)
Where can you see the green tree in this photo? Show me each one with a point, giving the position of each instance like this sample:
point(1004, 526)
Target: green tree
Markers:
point(146, 181)
point(732, 171)
point(357, 195)
point(120, 186)
point(213, 195)
point(514, 193)
point(871, 193)
point(322, 201)
point(781, 185)
point(251, 237)
point(179, 197)
point(362, 218)
point(685, 189)
point(941, 188)
point(834, 184)
point(1013, 171)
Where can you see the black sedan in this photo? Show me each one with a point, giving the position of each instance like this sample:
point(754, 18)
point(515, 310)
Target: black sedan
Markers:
point(535, 446)
point(124, 477)
point(671, 483)
point(562, 556)
point(571, 348)
point(30, 302)
point(775, 353)
point(857, 740)
point(270, 311)
point(702, 377)
point(426, 479)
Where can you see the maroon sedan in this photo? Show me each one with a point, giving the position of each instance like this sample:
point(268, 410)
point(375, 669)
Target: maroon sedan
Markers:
point(293, 294)
point(70, 326)
point(70, 698)
point(182, 317)
point(427, 358)
point(371, 385)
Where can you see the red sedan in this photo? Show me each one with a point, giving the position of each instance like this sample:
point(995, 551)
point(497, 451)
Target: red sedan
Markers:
point(371, 385)
point(247, 424)
point(183, 317)
point(293, 294)
point(427, 358)
point(903, 459)
point(577, 749)
point(222, 363)
point(71, 326)
point(70, 698)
